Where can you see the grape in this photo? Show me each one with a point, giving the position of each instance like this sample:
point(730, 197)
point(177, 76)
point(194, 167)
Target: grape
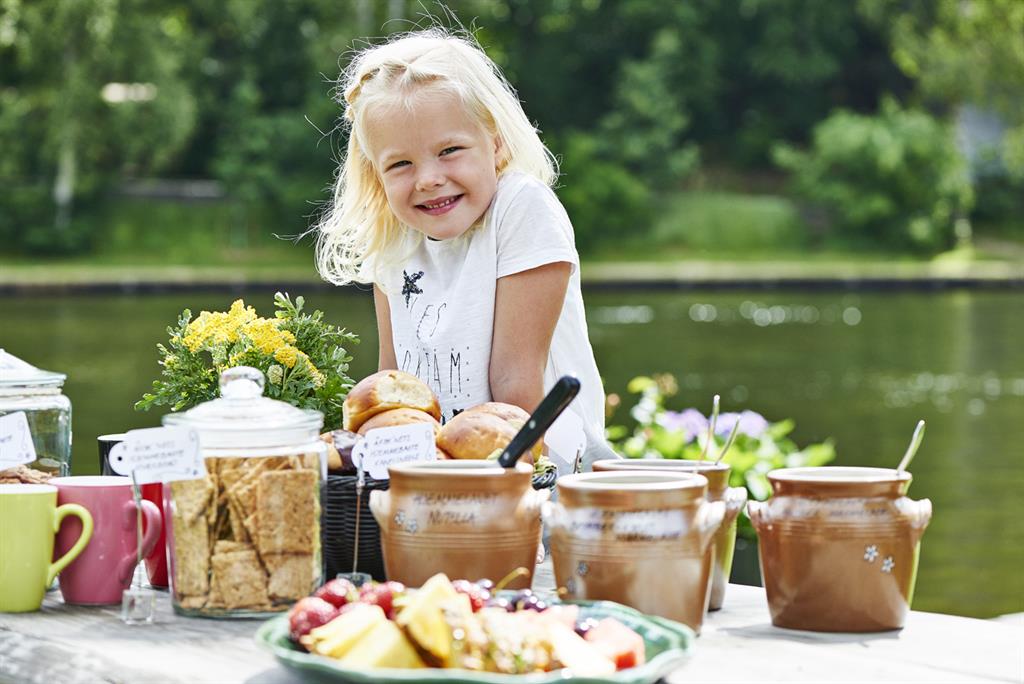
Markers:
point(485, 584)
point(532, 602)
point(478, 596)
point(583, 626)
point(500, 602)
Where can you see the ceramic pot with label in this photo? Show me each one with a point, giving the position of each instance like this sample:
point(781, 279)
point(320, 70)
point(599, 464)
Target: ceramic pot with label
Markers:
point(466, 518)
point(717, 475)
point(839, 547)
point(641, 539)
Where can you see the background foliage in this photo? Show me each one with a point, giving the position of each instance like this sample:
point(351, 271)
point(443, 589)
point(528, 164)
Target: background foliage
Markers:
point(640, 98)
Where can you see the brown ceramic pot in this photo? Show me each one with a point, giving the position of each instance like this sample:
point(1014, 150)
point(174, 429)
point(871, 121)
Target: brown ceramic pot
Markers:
point(468, 519)
point(641, 539)
point(839, 547)
point(717, 475)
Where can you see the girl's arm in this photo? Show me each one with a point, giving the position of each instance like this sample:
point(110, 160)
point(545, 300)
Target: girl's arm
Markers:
point(526, 309)
point(386, 358)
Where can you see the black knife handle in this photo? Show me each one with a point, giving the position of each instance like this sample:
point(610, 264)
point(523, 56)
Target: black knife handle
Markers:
point(563, 392)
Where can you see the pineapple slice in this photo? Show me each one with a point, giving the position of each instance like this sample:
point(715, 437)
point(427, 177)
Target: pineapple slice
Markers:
point(423, 619)
point(383, 646)
point(574, 653)
point(337, 637)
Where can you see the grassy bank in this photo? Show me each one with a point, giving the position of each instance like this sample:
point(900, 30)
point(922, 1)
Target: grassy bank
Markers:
point(699, 235)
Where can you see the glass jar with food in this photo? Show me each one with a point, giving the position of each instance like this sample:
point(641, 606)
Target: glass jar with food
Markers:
point(245, 540)
point(37, 393)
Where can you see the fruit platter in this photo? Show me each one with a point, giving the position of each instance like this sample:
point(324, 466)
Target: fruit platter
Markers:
point(461, 631)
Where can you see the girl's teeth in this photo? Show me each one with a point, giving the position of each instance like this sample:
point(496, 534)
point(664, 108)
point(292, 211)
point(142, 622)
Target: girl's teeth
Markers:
point(440, 204)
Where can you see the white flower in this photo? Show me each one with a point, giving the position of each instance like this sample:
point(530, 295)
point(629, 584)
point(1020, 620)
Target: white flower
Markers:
point(870, 553)
point(275, 374)
point(887, 564)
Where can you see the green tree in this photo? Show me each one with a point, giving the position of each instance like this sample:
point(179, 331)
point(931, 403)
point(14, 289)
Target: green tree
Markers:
point(895, 179)
point(962, 52)
point(89, 90)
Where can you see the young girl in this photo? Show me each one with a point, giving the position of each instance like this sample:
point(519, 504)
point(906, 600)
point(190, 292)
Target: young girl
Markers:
point(444, 203)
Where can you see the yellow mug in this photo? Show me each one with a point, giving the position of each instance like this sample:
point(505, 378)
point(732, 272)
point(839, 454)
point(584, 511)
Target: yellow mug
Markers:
point(29, 520)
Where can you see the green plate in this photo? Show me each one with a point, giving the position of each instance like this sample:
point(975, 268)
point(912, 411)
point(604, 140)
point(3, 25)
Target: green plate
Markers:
point(668, 645)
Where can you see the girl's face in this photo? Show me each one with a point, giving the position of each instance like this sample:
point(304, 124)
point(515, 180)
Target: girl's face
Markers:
point(436, 162)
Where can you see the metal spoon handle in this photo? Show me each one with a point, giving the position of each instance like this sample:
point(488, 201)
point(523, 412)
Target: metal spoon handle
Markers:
point(541, 419)
point(711, 426)
point(728, 442)
point(915, 442)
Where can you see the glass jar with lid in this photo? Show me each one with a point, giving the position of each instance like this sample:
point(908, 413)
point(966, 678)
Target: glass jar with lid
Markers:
point(245, 540)
point(37, 393)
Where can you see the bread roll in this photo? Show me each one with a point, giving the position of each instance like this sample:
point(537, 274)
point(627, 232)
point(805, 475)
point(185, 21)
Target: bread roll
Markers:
point(476, 434)
point(386, 390)
point(339, 451)
point(399, 416)
point(514, 416)
point(510, 413)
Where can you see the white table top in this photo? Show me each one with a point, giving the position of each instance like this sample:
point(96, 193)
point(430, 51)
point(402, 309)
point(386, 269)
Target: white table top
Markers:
point(68, 644)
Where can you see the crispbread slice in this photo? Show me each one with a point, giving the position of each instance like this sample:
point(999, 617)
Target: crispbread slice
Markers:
point(287, 512)
point(191, 497)
point(238, 579)
point(227, 546)
point(191, 556)
point(291, 575)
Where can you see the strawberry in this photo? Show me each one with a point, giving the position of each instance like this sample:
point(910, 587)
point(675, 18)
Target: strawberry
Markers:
point(382, 594)
point(338, 592)
point(308, 614)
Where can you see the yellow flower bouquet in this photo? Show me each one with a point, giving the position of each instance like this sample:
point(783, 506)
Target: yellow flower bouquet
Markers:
point(304, 359)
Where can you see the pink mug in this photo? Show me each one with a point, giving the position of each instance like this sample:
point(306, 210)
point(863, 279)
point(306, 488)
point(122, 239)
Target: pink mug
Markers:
point(105, 568)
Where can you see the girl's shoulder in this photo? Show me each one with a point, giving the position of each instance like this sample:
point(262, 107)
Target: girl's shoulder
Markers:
point(525, 194)
point(514, 183)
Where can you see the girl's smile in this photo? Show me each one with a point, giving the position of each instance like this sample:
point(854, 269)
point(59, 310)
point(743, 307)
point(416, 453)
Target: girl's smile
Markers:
point(437, 164)
point(439, 206)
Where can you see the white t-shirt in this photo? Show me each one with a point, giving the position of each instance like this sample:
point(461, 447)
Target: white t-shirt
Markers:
point(442, 313)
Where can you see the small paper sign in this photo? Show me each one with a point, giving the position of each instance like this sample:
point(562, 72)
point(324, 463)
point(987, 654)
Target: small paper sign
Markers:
point(566, 440)
point(159, 455)
point(16, 446)
point(389, 446)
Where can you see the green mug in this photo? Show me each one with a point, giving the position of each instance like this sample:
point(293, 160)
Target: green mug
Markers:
point(29, 520)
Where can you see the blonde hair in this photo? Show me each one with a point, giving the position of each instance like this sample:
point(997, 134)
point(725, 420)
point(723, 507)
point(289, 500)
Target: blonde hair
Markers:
point(360, 238)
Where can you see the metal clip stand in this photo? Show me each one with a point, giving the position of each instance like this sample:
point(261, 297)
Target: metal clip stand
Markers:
point(138, 603)
point(355, 577)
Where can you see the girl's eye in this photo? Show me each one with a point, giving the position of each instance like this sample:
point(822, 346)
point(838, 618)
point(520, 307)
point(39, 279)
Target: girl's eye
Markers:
point(449, 150)
point(398, 164)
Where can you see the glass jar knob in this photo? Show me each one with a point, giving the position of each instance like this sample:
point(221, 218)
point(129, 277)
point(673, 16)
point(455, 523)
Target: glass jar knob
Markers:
point(242, 382)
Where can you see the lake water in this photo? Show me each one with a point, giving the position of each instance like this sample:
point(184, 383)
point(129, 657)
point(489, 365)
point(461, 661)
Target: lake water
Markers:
point(860, 368)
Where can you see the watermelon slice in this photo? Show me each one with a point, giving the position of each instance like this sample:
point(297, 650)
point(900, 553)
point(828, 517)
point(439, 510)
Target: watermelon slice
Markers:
point(618, 643)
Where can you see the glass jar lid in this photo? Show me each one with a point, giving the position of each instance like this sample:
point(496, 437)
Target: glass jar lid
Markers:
point(16, 374)
point(243, 417)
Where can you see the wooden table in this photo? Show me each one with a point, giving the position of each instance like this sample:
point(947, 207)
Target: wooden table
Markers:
point(67, 644)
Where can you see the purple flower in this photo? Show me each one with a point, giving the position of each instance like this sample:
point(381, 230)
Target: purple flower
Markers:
point(690, 422)
point(752, 424)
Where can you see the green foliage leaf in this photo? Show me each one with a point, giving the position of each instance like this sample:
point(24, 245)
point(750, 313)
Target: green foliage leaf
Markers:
point(319, 382)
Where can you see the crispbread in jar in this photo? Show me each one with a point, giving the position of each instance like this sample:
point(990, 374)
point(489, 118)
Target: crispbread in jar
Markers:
point(245, 539)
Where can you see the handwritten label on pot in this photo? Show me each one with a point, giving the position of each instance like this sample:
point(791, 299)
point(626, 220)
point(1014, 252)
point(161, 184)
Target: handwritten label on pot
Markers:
point(16, 446)
point(390, 446)
point(159, 455)
point(597, 523)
